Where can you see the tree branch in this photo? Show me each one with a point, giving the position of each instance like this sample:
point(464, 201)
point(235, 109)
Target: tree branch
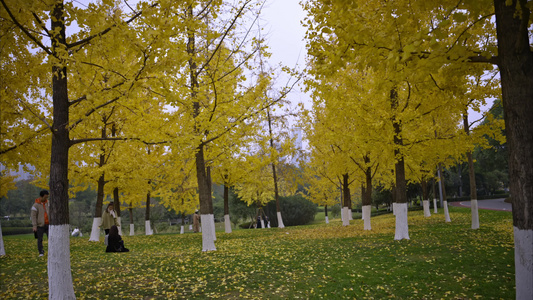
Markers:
point(28, 34)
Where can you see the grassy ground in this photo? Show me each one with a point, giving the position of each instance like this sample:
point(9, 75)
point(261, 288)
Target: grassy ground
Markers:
point(441, 260)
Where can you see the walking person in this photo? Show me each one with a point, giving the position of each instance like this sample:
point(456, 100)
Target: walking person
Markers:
point(109, 218)
point(39, 219)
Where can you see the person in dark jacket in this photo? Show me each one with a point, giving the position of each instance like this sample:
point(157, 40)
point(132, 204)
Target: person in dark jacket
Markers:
point(114, 241)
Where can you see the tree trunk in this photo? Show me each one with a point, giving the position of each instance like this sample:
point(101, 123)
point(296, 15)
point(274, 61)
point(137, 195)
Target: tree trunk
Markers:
point(59, 271)
point(346, 209)
point(434, 197)
point(204, 191)
point(425, 197)
point(227, 221)
point(132, 226)
point(443, 191)
point(326, 213)
point(95, 231)
point(147, 228)
point(2, 249)
point(116, 204)
point(274, 175)
point(472, 176)
point(516, 71)
point(367, 196)
point(400, 209)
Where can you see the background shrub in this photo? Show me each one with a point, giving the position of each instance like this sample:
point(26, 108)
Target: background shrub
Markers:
point(295, 210)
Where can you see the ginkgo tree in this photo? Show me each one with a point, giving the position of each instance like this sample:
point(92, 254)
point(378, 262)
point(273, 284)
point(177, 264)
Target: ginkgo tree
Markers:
point(38, 31)
point(450, 33)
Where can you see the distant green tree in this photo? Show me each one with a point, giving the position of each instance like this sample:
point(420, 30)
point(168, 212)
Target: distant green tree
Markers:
point(296, 210)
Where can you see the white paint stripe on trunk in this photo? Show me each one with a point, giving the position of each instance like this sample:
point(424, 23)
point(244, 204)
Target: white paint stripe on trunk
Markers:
point(446, 212)
point(59, 274)
point(435, 205)
point(182, 229)
point(208, 233)
point(147, 228)
point(227, 224)
point(475, 214)
point(132, 229)
point(523, 262)
point(345, 218)
point(402, 227)
point(327, 220)
point(95, 231)
point(425, 204)
point(366, 217)
point(280, 220)
point(394, 208)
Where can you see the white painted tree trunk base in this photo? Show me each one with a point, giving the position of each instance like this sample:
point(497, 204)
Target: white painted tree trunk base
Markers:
point(327, 220)
point(208, 233)
point(182, 229)
point(190, 226)
point(59, 274)
point(366, 217)
point(2, 249)
point(402, 227)
point(345, 218)
point(350, 214)
point(394, 208)
point(119, 221)
point(435, 205)
point(262, 224)
point(475, 214)
point(213, 225)
point(523, 263)
point(95, 231)
point(227, 224)
point(147, 228)
point(132, 229)
point(425, 204)
point(446, 212)
point(280, 220)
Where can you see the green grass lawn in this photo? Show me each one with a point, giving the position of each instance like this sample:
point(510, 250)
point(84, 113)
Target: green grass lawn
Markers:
point(319, 261)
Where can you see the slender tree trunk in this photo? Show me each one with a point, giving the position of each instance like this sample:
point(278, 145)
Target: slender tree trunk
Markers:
point(326, 213)
point(204, 191)
point(516, 71)
point(443, 191)
point(227, 221)
point(2, 249)
point(132, 226)
point(148, 228)
point(182, 227)
point(434, 196)
point(274, 175)
point(425, 197)
point(59, 271)
point(346, 209)
point(367, 196)
point(402, 227)
point(116, 204)
point(472, 176)
point(95, 231)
